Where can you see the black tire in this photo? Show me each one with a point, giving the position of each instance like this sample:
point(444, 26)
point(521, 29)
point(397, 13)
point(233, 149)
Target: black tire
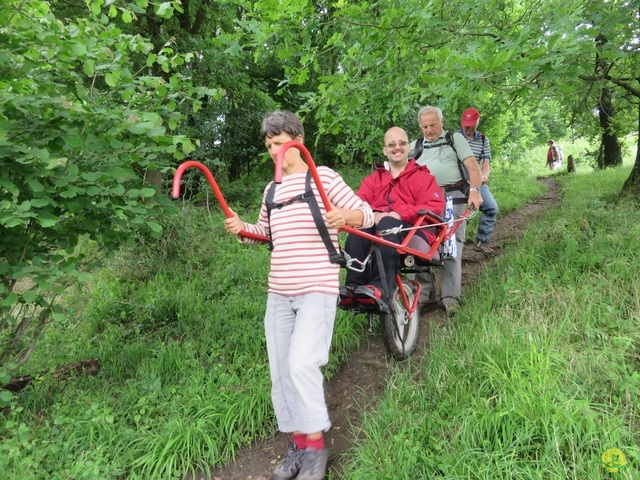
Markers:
point(402, 340)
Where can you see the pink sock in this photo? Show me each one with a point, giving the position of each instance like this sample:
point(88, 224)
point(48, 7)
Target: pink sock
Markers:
point(300, 440)
point(316, 444)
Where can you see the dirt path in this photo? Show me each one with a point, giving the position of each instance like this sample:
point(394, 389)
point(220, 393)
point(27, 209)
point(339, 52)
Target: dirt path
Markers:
point(361, 381)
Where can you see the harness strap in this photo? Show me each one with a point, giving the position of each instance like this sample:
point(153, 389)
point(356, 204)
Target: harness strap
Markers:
point(448, 142)
point(309, 198)
point(268, 201)
point(334, 256)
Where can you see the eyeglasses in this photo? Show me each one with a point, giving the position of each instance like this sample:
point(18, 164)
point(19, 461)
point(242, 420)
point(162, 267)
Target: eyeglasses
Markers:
point(394, 144)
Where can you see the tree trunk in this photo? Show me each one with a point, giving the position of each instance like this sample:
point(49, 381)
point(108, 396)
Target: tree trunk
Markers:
point(611, 153)
point(155, 178)
point(632, 184)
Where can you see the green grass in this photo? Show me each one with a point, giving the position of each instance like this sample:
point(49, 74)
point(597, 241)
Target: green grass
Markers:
point(539, 374)
point(536, 379)
point(184, 380)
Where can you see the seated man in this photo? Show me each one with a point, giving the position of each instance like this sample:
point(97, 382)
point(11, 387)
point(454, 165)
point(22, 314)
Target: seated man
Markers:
point(395, 196)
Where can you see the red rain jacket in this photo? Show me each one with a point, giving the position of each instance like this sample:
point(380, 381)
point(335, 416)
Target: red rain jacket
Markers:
point(414, 189)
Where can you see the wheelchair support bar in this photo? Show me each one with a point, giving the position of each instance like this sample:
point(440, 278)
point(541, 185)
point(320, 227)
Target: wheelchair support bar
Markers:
point(402, 248)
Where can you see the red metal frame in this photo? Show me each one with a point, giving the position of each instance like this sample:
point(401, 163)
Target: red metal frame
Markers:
point(409, 308)
point(175, 193)
point(403, 248)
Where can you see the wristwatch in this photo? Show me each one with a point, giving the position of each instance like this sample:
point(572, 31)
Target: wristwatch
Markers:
point(474, 189)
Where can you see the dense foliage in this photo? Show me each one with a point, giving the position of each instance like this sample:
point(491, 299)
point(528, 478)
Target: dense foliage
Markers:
point(99, 99)
point(523, 64)
point(81, 130)
point(352, 69)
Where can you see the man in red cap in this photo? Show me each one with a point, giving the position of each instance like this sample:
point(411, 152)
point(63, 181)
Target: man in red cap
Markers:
point(481, 149)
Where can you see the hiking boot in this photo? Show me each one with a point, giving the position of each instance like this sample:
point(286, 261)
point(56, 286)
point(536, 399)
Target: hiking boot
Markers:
point(450, 309)
point(314, 464)
point(290, 465)
point(483, 248)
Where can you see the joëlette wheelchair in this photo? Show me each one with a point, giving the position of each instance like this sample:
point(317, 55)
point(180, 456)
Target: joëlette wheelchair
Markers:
point(400, 321)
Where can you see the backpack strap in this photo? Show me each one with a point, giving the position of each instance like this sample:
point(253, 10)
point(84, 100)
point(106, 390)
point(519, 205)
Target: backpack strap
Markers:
point(334, 256)
point(419, 146)
point(448, 139)
point(464, 174)
point(309, 198)
point(417, 149)
point(449, 142)
point(269, 203)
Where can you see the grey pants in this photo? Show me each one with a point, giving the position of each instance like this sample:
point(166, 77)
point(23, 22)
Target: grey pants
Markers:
point(298, 331)
point(451, 272)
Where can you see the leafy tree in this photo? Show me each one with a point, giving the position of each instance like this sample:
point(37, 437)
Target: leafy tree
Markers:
point(392, 57)
point(78, 131)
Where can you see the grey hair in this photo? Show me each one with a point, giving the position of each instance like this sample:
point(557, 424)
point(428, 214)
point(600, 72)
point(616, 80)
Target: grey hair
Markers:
point(430, 109)
point(281, 121)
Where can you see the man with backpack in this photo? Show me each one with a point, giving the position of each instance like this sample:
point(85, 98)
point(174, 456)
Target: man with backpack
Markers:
point(450, 159)
point(481, 149)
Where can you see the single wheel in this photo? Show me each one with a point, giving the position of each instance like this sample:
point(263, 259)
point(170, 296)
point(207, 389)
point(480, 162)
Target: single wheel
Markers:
point(401, 340)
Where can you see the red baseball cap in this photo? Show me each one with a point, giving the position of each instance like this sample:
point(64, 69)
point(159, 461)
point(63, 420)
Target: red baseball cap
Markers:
point(469, 117)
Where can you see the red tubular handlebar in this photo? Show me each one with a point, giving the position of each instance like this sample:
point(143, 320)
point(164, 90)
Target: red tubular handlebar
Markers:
point(402, 248)
point(316, 179)
point(175, 193)
point(310, 163)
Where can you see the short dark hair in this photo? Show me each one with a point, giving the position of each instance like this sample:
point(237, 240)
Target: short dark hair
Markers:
point(281, 121)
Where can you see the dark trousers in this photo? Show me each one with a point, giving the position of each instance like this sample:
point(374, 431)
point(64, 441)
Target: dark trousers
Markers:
point(358, 247)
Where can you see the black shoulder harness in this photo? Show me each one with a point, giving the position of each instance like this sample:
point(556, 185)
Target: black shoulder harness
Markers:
point(309, 198)
point(448, 141)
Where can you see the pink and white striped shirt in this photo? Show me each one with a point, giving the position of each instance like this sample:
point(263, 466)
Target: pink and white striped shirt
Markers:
point(299, 260)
